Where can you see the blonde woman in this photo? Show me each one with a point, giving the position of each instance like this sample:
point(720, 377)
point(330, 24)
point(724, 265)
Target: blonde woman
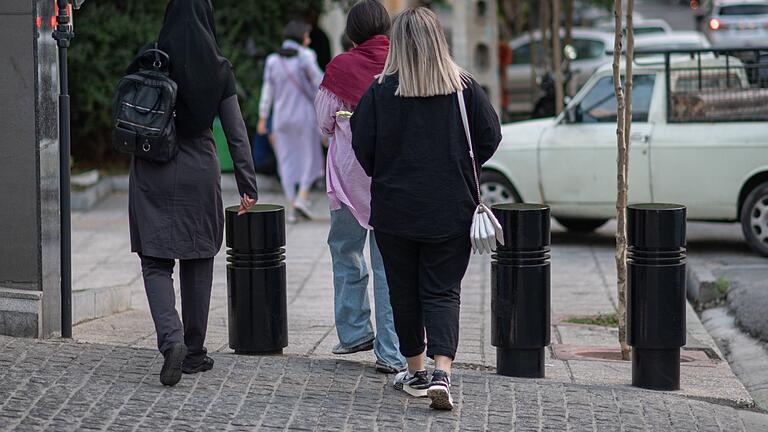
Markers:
point(407, 134)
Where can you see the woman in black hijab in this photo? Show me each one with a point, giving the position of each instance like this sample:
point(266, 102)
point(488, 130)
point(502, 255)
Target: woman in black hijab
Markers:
point(175, 208)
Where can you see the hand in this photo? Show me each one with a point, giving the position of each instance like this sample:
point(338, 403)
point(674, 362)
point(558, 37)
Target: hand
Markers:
point(246, 202)
point(261, 128)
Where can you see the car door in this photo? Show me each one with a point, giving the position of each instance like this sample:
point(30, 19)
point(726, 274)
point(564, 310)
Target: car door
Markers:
point(577, 157)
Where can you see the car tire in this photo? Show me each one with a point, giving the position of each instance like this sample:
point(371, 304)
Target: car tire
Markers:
point(497, 189)
point(581, 225)
point(754, 219)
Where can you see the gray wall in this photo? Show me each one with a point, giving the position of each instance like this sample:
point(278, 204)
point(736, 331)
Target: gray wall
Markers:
point(29, 269)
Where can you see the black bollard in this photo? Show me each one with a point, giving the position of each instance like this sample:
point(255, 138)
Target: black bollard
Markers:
point(656, 293)
point(520, 290)
point(256, 283)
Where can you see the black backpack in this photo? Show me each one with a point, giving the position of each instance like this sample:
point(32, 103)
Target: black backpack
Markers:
point(144, 108)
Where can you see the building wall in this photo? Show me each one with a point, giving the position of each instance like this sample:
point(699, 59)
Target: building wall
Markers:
point(29, 238)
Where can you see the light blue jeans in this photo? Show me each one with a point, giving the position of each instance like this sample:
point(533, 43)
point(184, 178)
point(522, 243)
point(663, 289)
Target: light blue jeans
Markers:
point(350, 282)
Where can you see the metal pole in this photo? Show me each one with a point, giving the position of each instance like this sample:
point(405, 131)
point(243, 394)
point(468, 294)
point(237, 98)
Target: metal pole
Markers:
point(63, 35)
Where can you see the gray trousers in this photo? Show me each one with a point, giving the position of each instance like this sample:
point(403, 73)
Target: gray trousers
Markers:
point(196, 277)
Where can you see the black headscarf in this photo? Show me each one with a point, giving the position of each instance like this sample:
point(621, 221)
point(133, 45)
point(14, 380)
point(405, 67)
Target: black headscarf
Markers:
point(203, 75)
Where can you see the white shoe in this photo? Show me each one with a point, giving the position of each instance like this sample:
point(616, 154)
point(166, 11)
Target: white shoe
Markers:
point(415, 385)
point(290, 217)
point(302, 208)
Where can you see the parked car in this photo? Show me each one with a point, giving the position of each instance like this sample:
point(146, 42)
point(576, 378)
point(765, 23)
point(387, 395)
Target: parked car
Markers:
point(675, 40)
point(698, 144)
point(737, 23)
point(641, 26)
point(521, 88)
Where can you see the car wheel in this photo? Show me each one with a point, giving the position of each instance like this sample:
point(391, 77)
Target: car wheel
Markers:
point(496, 189)
point(581, 225)
point(754, 219)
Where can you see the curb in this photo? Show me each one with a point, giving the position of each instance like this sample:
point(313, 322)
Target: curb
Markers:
point(702, 286)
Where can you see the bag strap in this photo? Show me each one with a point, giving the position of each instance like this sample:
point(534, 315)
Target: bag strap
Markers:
point(465, 121)
point(293, 80)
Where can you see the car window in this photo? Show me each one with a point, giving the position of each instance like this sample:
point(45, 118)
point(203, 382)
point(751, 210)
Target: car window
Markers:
point(588, 48)
point(649, 30)
point(709, 80)
point(599, 105)
point(522, 54)
point(744, 9)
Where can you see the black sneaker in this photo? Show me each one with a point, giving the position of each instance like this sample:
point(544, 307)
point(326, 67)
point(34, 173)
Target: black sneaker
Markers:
point(203, 366)
point(363, 346)
point(384, 367)
point(440, 391)
point(415, 385)
point(170, 374)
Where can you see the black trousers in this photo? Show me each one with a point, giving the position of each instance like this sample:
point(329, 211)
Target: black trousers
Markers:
point(425, 291)
point(196, 277)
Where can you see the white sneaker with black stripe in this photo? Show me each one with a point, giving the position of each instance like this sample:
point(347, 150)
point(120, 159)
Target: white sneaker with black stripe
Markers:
point(440, 391)
point(415, 385)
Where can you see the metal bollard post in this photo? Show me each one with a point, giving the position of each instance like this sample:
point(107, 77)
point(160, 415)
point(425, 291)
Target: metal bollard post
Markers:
point(520, 290)
point(256, 280)
point(656, 275)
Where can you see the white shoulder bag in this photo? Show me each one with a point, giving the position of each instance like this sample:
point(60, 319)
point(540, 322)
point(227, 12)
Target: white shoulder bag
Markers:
point(486, 229)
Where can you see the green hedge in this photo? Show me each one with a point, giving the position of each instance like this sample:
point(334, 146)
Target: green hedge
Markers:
point(109, 32)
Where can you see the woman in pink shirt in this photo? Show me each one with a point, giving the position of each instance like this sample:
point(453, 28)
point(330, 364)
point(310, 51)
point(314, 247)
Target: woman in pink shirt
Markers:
point(347, 77)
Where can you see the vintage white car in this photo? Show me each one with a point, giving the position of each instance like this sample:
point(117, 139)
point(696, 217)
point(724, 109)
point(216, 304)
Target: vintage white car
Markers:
point(704, 144)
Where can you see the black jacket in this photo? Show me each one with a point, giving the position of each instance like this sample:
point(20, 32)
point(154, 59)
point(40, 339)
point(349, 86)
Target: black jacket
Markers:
point(416, 152)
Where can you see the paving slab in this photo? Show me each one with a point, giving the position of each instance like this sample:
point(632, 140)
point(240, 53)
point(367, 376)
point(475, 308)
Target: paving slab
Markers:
point(68, 386)
point(583, 283)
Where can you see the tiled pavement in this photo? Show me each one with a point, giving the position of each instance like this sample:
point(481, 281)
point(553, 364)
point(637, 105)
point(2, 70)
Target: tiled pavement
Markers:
point(111, 383)
point(61, 386)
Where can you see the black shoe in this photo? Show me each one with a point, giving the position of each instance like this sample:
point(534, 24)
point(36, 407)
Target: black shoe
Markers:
point(387, 368)
point(365, 346)
point(170, 374)
point(415, 385)
point(440, 391)
point(205, 365)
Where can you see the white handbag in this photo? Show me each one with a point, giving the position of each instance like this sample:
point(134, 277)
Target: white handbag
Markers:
point(486, 230)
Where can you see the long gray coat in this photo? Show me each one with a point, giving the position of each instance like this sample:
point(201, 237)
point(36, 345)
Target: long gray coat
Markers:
point(175, 208)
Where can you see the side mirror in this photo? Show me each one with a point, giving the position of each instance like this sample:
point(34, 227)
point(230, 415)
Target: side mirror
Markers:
point(569, 52)
point(572, 114)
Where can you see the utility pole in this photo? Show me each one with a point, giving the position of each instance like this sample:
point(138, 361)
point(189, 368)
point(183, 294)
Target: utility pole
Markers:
point(63, 36)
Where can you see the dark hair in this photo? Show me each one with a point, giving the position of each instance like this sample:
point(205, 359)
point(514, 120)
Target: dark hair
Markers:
point(296, 30)
point(367, 19)
point(346, 43)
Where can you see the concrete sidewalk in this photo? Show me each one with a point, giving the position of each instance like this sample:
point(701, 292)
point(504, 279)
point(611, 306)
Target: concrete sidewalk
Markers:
point(583, 278)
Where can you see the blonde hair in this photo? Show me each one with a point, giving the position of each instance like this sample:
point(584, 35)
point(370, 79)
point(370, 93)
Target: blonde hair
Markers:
point(419, 53)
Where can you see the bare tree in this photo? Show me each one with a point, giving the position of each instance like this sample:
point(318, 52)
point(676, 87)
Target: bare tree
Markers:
point(557, 56)
point(568, 22)
point(622, 164)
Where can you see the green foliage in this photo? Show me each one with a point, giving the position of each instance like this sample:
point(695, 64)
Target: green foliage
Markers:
point(110, 32)
point(605, 320)
point(722, 285)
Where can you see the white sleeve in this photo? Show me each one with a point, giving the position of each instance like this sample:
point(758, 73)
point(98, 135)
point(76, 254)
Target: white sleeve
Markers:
point(267, 92)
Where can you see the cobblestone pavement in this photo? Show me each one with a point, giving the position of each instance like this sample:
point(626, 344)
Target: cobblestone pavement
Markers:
point(62, 386)
point(583, 278)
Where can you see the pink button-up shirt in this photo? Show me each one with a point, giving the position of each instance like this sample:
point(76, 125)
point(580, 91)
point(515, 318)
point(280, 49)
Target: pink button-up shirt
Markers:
point(346, 181)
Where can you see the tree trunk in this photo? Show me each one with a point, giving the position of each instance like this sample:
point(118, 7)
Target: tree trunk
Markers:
point(622, 187)
point(557, 57)
point(546, 42)
point(568, 22)
point(534, 53)
point(519, 17)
